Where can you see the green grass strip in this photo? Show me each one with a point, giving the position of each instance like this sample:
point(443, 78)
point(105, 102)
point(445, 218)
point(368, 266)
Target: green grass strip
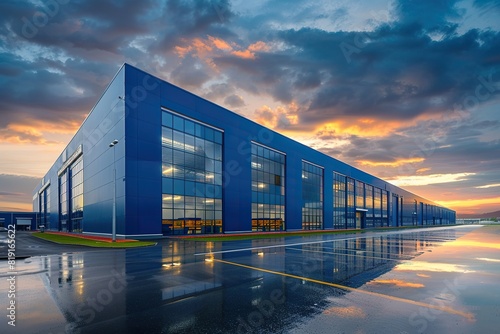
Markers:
point(75, 240)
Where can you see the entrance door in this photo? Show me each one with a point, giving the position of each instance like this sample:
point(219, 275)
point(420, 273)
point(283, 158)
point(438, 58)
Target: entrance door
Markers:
point(360, 217)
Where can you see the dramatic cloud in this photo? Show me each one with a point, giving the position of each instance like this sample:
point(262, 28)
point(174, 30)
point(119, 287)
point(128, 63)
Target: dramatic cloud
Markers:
point(400, 89)
point(234, 101)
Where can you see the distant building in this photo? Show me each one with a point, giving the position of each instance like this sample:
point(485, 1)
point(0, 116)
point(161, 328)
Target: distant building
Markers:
point(187, 166)
point(22, 221)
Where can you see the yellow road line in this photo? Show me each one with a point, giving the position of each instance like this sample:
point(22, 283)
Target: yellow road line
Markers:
point(450, 310)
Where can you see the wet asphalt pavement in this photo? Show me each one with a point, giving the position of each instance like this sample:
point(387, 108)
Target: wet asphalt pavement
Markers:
point(27, 246)
point(434, 280)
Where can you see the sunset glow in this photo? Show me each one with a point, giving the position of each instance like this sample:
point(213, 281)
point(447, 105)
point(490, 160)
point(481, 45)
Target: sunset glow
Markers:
point(416, 105)
point(424, 180)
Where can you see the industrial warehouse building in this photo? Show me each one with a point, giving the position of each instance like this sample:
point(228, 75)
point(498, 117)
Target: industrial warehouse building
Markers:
point(175, 164)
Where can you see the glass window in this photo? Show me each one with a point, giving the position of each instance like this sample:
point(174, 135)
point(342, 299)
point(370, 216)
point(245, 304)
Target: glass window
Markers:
point(178, 123)
point(166, 119)
point(312, 197)
point(268, 190)
point(192, 171)
point(189, 127)
point(369, 206)
point(360, 194)
point(339, 201)
point(377, 207)
point(351, 208)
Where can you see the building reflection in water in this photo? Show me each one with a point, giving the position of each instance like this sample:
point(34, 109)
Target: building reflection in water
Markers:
point(169, 288)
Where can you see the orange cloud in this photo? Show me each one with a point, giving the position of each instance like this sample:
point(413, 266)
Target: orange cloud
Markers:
point(34, 132)
point(182, 51)
point(397, 163)
point(279, 117)
point(259, 47)
point(220, 43)
point(204, 48)
point(422, 170)
point(247, 54)
point(197, 45)
point(424, 180)
point(365, 127)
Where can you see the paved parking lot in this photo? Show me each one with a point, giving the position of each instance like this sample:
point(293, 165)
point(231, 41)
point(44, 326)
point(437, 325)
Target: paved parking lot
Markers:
point(435, 280)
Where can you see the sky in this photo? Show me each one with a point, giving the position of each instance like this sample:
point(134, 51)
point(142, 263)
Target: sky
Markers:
point(406, 90)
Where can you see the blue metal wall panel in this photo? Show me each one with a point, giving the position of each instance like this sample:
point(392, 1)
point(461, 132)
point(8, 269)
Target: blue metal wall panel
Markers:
point(143, 126)
point(104, 124)
point(293, 188)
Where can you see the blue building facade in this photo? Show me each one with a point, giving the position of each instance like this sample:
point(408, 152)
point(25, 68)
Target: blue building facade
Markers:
point(20, 221)
point(184, 165)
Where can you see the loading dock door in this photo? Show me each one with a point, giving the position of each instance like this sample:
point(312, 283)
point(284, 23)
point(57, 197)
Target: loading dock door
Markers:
point(23, 224)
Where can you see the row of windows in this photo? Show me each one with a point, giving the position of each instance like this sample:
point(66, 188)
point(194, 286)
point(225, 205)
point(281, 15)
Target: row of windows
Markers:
point(267, 165)
point(191, 203)
point(191, 226)
point(186, 173)
point(266, 153)
point(185, 214)
point(191, 144)
point(190, 188)
point(190, 127)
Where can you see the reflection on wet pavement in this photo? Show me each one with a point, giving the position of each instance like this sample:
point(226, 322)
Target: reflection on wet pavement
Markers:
point(426, 280)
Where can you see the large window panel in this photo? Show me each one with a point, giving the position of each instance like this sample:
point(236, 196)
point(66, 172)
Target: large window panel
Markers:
point(369, 206)
point(339, 201)
point(76, 171)
point(351, 207)
point(192, 176)
point(312, 196)
point(268, 189)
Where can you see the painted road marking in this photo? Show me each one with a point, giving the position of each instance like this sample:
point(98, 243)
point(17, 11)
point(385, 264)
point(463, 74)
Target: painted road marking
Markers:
point(360, 255)
point(467, 315)
point(364, 235)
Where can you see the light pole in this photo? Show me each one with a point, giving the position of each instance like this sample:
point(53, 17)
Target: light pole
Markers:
point(112, 145)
